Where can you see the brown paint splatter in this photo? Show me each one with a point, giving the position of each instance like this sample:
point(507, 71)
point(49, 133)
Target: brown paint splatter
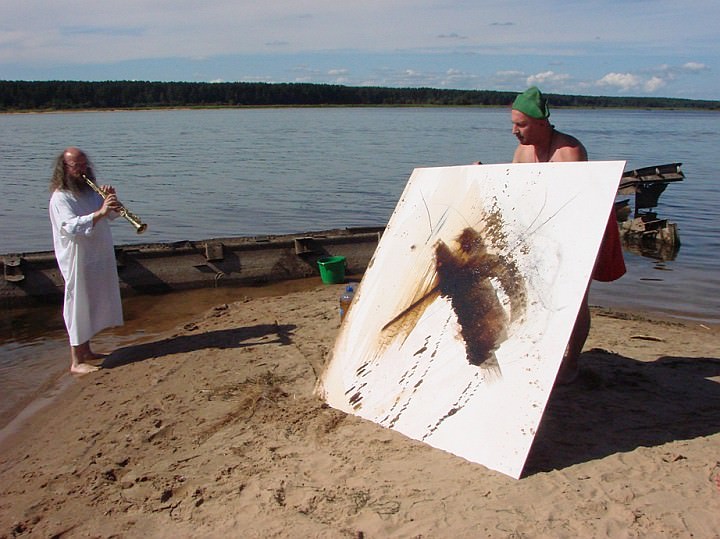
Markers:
point(462, 273)
point(403, 323)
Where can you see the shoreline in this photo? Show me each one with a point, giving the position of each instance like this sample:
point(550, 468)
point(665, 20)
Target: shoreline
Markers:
point(13, 419)
point(349, 106)
point(211, 426)
point(146, 316)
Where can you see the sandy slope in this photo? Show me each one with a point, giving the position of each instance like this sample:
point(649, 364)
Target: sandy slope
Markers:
point(212, 431)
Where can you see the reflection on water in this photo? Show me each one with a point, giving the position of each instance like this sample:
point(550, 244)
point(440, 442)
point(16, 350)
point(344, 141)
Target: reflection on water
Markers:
point(655, 249)
point(649, 236)
point(642, 231)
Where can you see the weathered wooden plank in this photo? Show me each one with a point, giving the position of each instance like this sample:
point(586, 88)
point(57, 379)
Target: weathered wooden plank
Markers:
point(166, 267)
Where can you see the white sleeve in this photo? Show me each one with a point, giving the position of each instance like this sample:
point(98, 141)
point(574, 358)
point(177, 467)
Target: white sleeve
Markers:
point(67, 222)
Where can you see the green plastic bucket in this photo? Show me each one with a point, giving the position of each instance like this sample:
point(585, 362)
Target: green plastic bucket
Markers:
point(332, 269)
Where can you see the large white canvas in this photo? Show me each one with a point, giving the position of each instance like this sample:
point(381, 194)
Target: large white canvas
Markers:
point(458, 328)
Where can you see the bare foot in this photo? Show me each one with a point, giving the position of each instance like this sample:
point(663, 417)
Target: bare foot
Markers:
point(83, 368)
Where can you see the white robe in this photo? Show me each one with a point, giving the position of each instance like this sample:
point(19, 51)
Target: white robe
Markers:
point(86, 257)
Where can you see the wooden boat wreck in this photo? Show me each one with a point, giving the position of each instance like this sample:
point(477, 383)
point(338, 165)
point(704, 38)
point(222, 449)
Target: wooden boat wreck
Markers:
point(644, 233)
point(32, 279)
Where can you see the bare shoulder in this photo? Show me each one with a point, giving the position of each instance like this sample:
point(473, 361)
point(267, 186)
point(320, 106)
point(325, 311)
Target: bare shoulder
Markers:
point(568, 148)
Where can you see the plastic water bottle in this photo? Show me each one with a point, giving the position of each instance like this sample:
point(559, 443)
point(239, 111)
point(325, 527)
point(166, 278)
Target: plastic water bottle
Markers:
point(346, 299)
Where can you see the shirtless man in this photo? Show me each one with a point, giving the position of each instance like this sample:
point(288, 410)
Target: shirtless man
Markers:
point(540, 142)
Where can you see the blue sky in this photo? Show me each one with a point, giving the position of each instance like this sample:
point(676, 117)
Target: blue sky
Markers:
point(591, 47)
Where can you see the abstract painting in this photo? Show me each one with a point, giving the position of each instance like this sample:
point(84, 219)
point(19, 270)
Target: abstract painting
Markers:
point(459, 325)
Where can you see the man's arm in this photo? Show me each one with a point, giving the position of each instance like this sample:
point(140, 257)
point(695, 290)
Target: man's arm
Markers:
point(523, 154)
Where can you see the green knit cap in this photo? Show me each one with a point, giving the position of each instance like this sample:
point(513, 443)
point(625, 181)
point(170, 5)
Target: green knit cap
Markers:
point(532, 103)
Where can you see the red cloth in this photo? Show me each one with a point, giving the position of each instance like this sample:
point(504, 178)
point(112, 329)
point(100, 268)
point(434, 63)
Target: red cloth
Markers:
point(610, 264)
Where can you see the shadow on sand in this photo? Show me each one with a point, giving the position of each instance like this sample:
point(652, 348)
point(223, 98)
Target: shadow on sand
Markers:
point(619, 404)
point(226, 338)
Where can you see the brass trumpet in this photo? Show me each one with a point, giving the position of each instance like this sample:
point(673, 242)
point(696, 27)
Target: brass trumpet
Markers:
point(134, 220)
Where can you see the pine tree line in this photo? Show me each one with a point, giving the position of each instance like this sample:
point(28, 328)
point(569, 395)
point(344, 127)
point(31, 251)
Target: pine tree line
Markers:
point(75, 95)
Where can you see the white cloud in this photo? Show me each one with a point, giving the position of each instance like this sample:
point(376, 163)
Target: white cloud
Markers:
point(547, 78)
point(623, 81)
point(457, 78)
point(649, 80)
point(491, 44)
point(654, 84)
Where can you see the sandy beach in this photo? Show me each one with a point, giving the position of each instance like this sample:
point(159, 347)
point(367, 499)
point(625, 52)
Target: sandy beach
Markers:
point(212, 430)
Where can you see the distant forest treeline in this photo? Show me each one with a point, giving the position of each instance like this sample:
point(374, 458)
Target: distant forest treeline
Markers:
point(74, 95)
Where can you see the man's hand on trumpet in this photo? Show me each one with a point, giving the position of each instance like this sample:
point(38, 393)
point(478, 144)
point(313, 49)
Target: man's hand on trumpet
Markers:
point(110, 203)
point(133, 219)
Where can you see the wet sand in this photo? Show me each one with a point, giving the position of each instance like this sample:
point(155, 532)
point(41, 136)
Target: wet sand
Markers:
point(35, 340)
point(210, 428)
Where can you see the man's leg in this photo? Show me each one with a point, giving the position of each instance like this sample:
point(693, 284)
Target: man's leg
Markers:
point(569, 367)
point(79, 355)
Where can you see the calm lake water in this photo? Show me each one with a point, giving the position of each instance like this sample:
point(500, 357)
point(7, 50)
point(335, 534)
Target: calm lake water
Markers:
point(197, 174)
